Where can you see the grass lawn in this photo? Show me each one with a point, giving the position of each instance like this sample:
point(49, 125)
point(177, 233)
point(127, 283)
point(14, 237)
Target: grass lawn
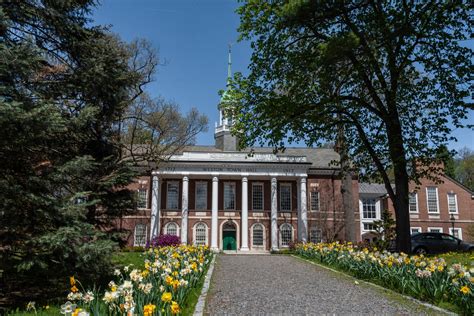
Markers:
point(464, 258)
point(121, 259)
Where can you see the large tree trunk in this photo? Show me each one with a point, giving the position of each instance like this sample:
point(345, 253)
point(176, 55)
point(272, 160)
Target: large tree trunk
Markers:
point(346, 187)
point(402, 215)
point(400, 197)
point(348, 206)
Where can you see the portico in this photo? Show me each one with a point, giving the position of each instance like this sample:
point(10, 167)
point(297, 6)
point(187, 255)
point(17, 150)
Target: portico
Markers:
point(233, 172)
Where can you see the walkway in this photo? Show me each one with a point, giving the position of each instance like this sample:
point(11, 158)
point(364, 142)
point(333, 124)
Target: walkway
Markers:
point(283, 285)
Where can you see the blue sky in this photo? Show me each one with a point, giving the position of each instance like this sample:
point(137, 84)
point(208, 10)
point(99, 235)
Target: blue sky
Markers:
point(193, 36)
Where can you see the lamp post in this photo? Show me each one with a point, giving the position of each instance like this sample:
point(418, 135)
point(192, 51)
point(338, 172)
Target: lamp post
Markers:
point(452, 219)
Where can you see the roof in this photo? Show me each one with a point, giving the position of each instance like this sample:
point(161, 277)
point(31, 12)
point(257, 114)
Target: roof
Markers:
point(372, 188)
point(318, 157)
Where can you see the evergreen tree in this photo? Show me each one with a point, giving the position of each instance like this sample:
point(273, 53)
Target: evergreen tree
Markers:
point(63, 87)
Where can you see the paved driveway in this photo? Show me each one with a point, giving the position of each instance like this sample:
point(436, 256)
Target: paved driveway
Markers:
point(283, 285)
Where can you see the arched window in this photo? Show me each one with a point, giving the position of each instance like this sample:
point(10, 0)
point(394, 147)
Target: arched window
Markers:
point(257, 235)
point(172, 229)
point(286, 234)
point(200, 231)
point(139, 238)
point(315, 235)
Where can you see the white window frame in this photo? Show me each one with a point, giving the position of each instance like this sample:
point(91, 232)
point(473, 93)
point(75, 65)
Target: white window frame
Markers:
point(455, 203)
point(416, 203)
point(289, 186)
point(195, 233)
point(427, 201)
point(204, 183)
point(418, 228)
point(311, 201)
point(262, 246)
point(459, 232)
point(430, 229)
point(135, 244)
point(146, 198)
point(368, 223)
point(232, 184)
point(280, 235)
point(263, 196)
point(178, 230)
point(168, 183)
point(375, 208)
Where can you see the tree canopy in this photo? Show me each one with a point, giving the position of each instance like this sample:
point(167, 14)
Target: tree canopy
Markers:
point(393, 75)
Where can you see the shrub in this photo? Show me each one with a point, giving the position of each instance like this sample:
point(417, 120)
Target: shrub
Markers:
point(165, 241)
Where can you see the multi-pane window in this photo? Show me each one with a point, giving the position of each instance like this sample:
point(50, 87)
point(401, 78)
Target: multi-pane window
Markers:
point(452, 203)
point(201, 195)
point(315, 235)
point(415, 230)
point(285, 197)
point(172, 195)
point(140, 235)
point(368, 208)
point(286, 234)
point(456, 232)
point(314, 195)
point(172, 229)
point(413, 202)
point(257, 235)
point(432, 199)
point(369, 226)
point(257, 196)
point(229, 196)
point(435, 230)
point(201, 234)
point(141, 198)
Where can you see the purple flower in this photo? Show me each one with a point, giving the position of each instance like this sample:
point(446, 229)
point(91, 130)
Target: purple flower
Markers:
point(165, 240)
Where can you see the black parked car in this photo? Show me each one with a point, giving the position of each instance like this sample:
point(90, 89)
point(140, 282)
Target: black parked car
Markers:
point(438, 242)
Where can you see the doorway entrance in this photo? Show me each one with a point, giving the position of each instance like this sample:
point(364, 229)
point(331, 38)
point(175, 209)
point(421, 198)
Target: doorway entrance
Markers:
point(229, 236)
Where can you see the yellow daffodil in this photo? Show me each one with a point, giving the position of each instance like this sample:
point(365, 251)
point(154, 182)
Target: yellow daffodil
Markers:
point(166, 297)
point(465, 290)
point(148, 309)
point(175, 308)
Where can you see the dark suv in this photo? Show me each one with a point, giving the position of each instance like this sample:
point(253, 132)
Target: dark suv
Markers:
point(438, 242)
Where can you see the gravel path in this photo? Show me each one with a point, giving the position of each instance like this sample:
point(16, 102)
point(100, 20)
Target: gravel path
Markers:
point(283, 285)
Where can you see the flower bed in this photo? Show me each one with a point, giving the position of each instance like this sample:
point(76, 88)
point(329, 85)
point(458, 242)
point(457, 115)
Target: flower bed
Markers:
point(161, 288)
point(428, 279)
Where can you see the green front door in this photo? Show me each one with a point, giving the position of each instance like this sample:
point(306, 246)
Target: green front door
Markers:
point(228, 241)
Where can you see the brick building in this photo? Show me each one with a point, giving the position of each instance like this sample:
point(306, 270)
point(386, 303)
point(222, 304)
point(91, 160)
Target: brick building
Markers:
point(232, 201)
point(434, 207)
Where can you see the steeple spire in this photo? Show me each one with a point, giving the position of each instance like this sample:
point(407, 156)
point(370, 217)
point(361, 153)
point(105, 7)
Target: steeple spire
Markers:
point(229, 65)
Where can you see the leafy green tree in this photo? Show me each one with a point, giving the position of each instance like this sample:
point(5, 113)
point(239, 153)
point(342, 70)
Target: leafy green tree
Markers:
point(447, 158)
point(393, 74)
point(464, 167)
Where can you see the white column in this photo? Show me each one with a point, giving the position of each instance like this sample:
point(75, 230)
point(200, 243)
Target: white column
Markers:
point(303, 215)
point(185, 211)
point(155, 209)
point(245, 215)
point(274, 216)
point(298, 200)
point(214, 221)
